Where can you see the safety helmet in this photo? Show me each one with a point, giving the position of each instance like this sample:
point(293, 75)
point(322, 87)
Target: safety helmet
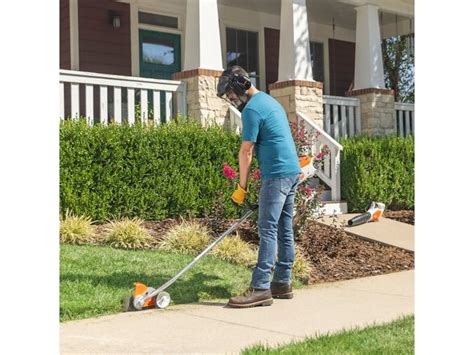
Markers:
point(233, 79)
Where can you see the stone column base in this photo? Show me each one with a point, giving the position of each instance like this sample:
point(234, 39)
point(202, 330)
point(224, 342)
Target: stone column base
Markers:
point(377, 107)
point(202, 102)
point(302, 96)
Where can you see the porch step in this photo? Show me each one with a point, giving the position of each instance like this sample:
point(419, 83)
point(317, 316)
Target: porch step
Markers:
point(326, 195)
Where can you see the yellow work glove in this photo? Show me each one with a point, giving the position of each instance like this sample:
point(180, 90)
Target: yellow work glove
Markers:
point(239, 195)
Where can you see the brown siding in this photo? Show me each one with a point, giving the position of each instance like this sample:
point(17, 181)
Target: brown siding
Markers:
point(341, 66)
point(272, 46)
point(102, 48)
point(64, 36)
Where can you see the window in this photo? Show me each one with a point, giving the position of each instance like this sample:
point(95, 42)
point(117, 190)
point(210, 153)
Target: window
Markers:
point(157, 20)
point(158, 51)
point(242, 50)
point(317, 63)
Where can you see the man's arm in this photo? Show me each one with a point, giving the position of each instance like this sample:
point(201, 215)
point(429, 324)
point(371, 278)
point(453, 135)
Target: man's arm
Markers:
point(245, 160)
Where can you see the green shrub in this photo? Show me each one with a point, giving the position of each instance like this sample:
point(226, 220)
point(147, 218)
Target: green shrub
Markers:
point(76, 229)
point(129, 234)
point(167, 171)
point(378, 169)
point(234, 249)
point(301, 267)
point(186, 238)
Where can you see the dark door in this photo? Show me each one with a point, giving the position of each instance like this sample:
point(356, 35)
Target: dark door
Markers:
point(341, 66)
point(272, 47)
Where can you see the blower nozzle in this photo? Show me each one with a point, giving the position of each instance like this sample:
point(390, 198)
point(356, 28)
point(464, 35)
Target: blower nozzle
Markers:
point(373, 214)
point(360, 219)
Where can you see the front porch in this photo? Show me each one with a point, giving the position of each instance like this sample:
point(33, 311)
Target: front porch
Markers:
point(327, 59)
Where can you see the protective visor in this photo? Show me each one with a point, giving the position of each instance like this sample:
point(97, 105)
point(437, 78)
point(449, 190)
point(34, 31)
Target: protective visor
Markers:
point(223, 86)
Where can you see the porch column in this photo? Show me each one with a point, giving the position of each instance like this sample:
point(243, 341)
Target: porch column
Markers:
point(202, 62)
point(377, 103)
point(295, 89)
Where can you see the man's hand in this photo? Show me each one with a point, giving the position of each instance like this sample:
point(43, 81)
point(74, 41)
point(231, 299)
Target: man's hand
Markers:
point(238, 196)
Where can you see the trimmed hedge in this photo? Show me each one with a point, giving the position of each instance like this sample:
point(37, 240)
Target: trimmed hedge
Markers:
point(167, 171)
point(378, 169)
point(175, 169)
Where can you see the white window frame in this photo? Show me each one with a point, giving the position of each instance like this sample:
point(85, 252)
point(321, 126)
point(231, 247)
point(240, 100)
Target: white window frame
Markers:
point(172, 30)
point(136, 26)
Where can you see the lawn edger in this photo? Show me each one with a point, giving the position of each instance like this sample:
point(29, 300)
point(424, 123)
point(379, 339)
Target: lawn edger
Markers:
point(145, 297)
point(148, 297)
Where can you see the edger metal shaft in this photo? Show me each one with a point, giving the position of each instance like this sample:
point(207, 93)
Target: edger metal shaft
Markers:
point(197, 258)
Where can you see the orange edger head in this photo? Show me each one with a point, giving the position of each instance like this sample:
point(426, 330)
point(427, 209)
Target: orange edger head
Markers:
point(140, 290)
point(143, 290)
point(145, 297)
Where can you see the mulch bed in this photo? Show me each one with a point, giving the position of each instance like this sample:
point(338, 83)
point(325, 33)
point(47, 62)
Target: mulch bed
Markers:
point(335, 255)
point(405, 216)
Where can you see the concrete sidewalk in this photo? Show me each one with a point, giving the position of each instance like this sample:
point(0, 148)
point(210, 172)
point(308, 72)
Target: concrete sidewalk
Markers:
point(385, 230)
point(215, 328)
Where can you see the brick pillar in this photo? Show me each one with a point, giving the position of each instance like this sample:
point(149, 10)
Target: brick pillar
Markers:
point(377, 107)
point(302, 96)
point(202, 102)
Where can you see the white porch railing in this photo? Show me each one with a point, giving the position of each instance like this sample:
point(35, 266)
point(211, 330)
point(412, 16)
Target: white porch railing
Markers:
point(341, 116)
point(330, 172)
point(405, 118)
point(121, 103)
point(235, 120)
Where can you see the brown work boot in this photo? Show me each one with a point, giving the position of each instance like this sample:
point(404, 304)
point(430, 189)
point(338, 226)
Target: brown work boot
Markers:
point(280, 290)
point(252, 297)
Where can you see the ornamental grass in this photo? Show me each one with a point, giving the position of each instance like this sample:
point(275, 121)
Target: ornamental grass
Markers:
point(76, 229)
point(128, 234)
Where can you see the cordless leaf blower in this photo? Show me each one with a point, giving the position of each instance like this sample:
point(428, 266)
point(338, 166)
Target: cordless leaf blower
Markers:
point(149, 297)
point(374, 212)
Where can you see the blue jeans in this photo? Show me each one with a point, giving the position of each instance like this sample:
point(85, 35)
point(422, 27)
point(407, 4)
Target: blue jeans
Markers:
point(275, 229)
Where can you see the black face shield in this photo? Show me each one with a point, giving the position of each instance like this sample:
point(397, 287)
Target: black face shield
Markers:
point(232, 83)
point(225, 87)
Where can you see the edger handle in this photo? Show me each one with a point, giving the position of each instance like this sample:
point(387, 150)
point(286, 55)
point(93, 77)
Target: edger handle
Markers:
point(251, 206)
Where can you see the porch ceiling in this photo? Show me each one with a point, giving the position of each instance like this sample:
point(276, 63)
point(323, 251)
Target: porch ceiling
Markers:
point(320, 11)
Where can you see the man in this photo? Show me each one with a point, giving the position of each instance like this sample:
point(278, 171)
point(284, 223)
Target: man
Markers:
point(265, 129)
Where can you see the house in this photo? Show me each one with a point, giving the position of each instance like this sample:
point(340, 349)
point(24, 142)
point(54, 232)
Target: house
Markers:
point(321, 59)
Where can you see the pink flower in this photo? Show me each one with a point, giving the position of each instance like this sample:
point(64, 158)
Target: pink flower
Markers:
point(229, 173)
point(309, 190)
point(319, 156)
point(256, 174)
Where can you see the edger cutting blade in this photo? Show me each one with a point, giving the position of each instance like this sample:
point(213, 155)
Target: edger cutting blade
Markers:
point(127, 304)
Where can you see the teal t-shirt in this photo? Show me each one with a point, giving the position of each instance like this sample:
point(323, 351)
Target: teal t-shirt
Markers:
point(264, 122)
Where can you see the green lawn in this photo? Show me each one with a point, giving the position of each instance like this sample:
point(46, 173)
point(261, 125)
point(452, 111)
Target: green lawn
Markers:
point(393, 338)
point(94, 279)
